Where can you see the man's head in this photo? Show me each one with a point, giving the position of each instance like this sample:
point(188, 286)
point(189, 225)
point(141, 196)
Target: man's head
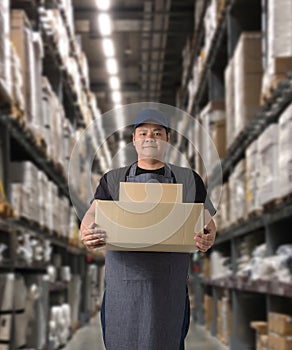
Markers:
point(151, 134)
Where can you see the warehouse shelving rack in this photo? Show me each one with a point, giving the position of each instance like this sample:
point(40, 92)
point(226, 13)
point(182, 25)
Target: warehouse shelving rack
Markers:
point(250, 300)
point(18, 143)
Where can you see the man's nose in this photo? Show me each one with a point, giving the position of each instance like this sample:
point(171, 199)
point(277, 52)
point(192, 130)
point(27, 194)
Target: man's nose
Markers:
point(150, 139)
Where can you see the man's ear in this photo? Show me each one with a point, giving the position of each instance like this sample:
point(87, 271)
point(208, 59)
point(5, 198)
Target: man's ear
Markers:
point(133, 138)
point(168, 137)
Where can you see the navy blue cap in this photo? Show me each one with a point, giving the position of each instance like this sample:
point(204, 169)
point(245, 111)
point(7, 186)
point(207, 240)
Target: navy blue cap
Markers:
point(151, 116)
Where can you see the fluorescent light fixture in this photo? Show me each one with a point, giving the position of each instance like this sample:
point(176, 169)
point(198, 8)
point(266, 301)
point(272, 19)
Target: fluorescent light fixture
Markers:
point(112, 66)
point(115, 83)
point(103, 5)
point(108, 47)
point(104, 23)
point(116, 97)
point(118, 105)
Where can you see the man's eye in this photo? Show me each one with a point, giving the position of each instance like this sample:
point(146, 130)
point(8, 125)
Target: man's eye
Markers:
point(157, 133)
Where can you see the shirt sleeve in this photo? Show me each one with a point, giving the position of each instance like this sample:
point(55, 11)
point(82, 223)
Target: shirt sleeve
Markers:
point(102, 191)
point(202, 196)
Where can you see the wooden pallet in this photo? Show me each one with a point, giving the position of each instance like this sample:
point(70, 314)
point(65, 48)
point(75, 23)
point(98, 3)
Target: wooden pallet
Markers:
point(255, 213)
point(270, 88)
point(272, 204)
point(41, 143)
point(6, 210)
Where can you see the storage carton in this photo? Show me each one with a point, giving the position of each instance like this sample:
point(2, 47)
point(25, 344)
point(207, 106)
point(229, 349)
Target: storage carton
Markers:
point(278, 342)
point(150, 217)
point(149, 226)
point(280, 323)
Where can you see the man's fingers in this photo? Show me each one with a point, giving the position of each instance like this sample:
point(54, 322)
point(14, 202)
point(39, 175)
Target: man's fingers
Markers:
point(92, 225)
point(92, 231)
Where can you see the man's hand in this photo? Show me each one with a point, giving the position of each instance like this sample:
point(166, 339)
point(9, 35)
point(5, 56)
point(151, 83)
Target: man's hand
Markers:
point(93, 236)
point(204, 241)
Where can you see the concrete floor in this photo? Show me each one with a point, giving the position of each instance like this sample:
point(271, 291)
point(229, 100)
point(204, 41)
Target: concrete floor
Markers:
point(90, 338)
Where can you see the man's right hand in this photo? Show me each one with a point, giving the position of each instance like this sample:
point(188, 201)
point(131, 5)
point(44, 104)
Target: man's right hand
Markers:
point(93, 236)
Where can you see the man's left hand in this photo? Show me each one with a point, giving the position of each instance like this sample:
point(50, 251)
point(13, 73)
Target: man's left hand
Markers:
point(204, 241)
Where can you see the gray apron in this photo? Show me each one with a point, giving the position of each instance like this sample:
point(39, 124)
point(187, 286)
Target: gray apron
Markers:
point(145, 293)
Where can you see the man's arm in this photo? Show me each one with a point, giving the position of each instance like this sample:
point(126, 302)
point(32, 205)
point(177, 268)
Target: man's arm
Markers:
point(204, 241)
point(92, 235)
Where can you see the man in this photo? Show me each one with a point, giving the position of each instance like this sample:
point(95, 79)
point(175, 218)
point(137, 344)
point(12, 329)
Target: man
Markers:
point(146, 305)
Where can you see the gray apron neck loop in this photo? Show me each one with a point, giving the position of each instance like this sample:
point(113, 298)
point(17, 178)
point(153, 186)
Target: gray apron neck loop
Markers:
point(167, 170)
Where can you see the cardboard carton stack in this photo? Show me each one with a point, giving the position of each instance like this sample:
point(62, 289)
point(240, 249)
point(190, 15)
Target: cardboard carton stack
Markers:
point(285, 154)
point(210, 24)
point(17, 80)
point(224, 319)
point(261, 329)
point(229, 102)
point(280, 331)
point(213, 120)
point(252, 178)
point(237, 187)
point(36, 198)
point(208, 311)
point(5, 75)
point(278, 43)
point(22, 39)
point(247, 79)
point(224, 207)
point(269, 164)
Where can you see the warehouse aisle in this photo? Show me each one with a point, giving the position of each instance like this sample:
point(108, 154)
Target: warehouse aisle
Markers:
point(90, 338)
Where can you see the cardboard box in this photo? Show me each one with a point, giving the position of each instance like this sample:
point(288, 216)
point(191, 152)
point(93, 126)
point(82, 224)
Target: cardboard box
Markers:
point(150, 192)
point(143, 226)
point(208, 310)
point(280, 323)
point(278, 342)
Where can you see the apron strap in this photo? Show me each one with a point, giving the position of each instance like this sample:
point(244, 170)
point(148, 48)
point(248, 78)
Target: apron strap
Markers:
point(167, 170)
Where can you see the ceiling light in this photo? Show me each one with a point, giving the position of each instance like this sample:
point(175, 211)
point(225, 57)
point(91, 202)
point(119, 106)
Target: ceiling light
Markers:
point(116, 97)
point(103, 5)
point(112, 66)
point(108, 47)
point(115, 83)
point(104, 22)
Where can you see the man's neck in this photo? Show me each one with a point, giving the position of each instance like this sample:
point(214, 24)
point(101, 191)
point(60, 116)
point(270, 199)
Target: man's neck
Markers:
point(150, 164)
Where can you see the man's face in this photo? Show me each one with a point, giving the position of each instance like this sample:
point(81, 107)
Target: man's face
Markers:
point(151, 141)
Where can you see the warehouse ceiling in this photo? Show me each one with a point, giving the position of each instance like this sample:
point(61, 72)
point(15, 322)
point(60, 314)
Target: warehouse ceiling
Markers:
point(148, 38)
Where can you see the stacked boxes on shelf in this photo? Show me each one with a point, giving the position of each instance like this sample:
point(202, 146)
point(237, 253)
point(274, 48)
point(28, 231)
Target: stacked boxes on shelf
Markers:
point(252, 178)
point(39, 203)
point(229, 102)
point(59, 325)
point(54, 25)
point(220, 265)
point(278, 43)
point(237, 190)
point(7, 283)
point(280, 331)
point(210, 24)
point(285, 154)
point(224, 207)
point(261, 329)
point(269, 165)
point(208, 311)
point(247, 62)
point(5, 75)
point(17, 80)
point(213, 120)
point(224, 319)
point(243, 77)
point(22, 38)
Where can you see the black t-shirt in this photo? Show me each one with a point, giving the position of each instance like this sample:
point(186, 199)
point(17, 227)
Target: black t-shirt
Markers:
point(102, 191)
